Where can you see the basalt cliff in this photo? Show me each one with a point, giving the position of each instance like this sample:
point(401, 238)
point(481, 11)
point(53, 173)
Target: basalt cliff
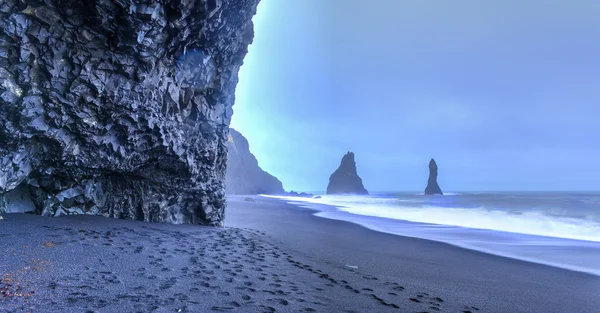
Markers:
point(345, 179)
point(119, 108)
point(244, 175)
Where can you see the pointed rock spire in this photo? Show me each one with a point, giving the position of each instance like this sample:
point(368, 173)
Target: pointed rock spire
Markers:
point(345, 179)
point(432, 185)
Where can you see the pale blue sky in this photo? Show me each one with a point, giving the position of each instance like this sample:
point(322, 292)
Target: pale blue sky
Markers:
point(505, 95)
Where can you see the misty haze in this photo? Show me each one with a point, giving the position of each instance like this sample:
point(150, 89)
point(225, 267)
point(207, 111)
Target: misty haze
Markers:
point(299, 156)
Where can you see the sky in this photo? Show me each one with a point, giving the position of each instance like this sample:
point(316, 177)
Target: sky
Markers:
point(504, 94)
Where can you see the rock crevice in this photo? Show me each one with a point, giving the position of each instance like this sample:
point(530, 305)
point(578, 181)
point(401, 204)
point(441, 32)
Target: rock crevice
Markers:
point(119, 108)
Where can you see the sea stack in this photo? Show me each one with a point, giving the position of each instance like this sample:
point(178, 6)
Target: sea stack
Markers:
point(345, 179)
point(432, 186)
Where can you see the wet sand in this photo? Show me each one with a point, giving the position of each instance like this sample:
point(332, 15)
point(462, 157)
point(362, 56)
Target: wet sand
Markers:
point(270, 257)
point(462, 278)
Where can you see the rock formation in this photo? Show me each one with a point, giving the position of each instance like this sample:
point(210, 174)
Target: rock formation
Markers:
point(119, 107)
point(244, 176)
point(292, 193)
point(345, 179)
point(432, 186)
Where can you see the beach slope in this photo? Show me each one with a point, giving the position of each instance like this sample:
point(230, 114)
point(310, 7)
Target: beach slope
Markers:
point(465, 280)
point(270, 257)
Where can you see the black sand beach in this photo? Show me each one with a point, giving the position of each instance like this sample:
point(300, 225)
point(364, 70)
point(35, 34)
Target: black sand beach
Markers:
point(270, 257)
point(462, 278)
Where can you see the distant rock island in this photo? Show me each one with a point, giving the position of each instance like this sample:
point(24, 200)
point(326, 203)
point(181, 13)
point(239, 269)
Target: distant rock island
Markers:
point(432, 185)
point(345, 179)
point(244, 176)
point(297, 194)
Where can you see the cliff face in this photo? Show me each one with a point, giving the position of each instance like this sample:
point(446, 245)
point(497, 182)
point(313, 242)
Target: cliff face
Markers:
point(345, 179)
point(119, 108)
point(432, 186)
point(244, 176)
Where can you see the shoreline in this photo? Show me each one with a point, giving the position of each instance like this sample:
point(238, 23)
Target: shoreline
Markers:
point(561, 246)
point(484, 251)
point(487, 281)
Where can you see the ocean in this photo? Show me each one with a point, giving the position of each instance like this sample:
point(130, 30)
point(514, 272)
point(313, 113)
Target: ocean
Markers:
point(552, 228)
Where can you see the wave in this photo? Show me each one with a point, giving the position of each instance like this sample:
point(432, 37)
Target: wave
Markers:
point(560, 241)
point(575, 255)
point(533, 222)
point(445, 194)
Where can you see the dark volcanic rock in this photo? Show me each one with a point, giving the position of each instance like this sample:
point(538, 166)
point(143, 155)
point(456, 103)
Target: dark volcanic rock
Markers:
point(118, 107)
point(296, 194)
point(345, 179)
point(432, 186)
point(244, 176)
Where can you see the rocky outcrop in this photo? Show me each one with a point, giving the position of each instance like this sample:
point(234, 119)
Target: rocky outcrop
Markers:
point(298, 194)
point(345, 179)
point(432, 185)
point(119, 107)
point(244, 176)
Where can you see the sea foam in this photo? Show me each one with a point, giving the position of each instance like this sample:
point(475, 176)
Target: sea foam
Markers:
point(535, 235)
point(533, 222)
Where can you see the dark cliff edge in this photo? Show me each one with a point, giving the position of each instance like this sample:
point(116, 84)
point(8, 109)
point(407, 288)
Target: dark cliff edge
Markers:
point(244, 175)
point(345, 179)
point(432, 185)
point(119, 108)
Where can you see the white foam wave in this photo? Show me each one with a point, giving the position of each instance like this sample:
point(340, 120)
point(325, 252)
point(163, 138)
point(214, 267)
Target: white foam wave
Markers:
point(562, 242)
point(445, 194)
point(569, 254)
point(531, 223)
